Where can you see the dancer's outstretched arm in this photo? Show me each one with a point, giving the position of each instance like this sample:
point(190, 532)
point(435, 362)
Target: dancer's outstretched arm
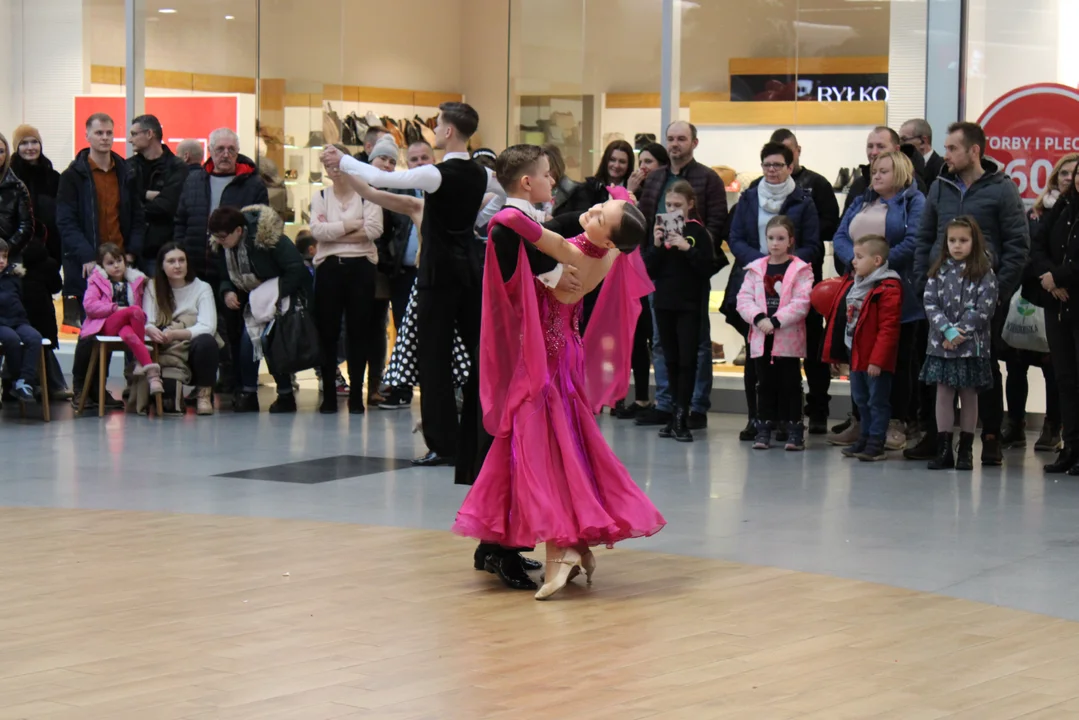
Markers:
point(546, 241)
point(403, 204)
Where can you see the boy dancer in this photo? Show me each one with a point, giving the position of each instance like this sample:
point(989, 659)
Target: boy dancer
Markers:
point(524, 173)
point(868, 307)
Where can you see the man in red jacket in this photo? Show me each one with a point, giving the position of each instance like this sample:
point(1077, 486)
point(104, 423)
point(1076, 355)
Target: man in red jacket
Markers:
point(863, 329)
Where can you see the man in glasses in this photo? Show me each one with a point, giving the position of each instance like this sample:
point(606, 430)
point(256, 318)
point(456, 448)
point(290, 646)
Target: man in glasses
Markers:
point(159, 179)
point(227, 179)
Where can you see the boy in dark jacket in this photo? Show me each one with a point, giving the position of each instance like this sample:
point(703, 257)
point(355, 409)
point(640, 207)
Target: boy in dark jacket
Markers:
point(20, 340)
point(863, 329)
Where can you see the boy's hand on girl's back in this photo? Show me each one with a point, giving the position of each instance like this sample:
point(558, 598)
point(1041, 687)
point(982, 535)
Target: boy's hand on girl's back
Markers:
point(873, 371)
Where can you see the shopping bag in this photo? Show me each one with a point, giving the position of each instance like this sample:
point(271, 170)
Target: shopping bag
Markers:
point(1024, 328)
point(292, 342)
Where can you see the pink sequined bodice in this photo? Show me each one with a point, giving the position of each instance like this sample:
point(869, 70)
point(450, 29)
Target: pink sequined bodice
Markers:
point(561, 322)
point(582, 243)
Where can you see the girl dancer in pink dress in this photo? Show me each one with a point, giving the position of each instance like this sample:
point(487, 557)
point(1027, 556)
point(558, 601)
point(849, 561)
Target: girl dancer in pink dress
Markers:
point(550, 475)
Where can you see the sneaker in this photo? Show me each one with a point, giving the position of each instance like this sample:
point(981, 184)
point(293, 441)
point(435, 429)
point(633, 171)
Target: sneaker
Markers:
point(796, 438)
point(343, 389)
point(847, 437)
point(653, 416)
point(896, 439)
point(874, 452)
point(763, 441)
point(855, 449)
point(396, 400)
point(697, 421)
point(23, 392)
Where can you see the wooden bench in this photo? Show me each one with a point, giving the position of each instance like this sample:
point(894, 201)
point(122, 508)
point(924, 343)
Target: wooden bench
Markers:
point(99, 360)
point(43, 373)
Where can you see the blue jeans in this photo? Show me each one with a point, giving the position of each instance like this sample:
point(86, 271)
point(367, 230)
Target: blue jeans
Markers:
point(248, 368)
point(873, 396)
point(702, 389)
point(22, 344)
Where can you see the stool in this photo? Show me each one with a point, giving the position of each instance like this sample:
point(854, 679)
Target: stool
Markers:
point(43, 372)
point(105, 345)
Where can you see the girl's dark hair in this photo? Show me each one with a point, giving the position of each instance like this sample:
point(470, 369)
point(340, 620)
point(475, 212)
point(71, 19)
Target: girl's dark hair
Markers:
point(226, 220)
point(784, 222)
point(630, 233)
point(658, 152)
point(614, 145)
point(683, 188)
point(978, 263)
point(106, 249)
point(166, 301)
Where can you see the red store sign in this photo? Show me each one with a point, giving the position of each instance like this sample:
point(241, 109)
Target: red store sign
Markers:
point(1029, 129)
point(182, 118)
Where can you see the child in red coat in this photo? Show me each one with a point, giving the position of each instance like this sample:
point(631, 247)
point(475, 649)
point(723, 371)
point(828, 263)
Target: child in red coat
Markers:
point(863, 329)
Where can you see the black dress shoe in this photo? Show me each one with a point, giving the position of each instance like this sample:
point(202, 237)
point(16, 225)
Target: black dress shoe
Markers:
point(530, 564)
point(433, 459)
point(510, 570)
point(245, 402)
point(284, 404)
point(1064, 463)
point(479, 558)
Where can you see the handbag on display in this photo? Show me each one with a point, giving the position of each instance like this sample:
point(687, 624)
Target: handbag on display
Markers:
point(291, 344)
point(316, 139)
point(331, 125)
point(640, 140)
point(315, 178)
point(1024, 327)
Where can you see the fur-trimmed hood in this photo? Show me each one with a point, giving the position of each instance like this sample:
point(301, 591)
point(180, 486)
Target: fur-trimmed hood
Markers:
point(264, 227)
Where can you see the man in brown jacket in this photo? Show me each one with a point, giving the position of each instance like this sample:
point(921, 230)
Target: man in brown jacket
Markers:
point(712, 206)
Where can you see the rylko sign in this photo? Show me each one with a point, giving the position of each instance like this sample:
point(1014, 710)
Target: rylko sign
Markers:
point(825, 87)
point(827, 93)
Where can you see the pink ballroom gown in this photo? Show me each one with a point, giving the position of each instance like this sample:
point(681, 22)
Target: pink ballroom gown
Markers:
point(550, 474)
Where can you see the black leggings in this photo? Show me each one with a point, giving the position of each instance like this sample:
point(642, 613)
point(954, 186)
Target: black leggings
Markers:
point(779, 387)
point(679, 334)
point(642, 353)
point(1017, 388)
point(344, 287)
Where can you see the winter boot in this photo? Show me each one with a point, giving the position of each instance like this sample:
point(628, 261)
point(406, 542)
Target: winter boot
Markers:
point(1014, 435)
point(205, 401)
point(153, 377)
point(964, 459)
point(1049, 440)
point(749, 433)
point(796, 437)
point(926, 449)
point(763, 441)
point(945, 457)
point(681, 427)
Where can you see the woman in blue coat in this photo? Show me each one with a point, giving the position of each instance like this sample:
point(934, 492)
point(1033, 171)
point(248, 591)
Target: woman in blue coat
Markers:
point(892, 207)
point(776, 194)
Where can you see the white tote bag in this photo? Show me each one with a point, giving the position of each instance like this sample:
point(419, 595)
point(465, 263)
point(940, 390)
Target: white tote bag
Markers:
point(1024, 328)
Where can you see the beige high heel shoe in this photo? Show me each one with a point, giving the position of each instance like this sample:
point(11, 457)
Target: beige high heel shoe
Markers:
point(570, 561)
point(588, 563)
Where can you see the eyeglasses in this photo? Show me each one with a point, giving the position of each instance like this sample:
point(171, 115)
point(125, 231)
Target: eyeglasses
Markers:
point(230, 151)
point(219, 236)
point(773, 166)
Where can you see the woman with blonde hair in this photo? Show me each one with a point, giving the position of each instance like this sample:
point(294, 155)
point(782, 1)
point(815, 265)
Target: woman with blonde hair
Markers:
point(892, 208)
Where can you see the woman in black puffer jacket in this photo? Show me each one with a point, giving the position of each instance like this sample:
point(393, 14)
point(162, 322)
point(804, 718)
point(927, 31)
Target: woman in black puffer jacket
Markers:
point(16, 218)
point(29, 163)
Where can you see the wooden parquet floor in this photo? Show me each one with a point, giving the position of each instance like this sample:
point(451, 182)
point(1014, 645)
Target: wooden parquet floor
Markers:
point(135, 616)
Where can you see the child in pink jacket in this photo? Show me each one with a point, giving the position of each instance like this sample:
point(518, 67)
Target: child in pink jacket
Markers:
point(774, 300)
point(113, 303)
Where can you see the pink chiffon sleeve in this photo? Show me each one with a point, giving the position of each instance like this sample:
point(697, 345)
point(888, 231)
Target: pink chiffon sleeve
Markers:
point(513, 354)
point(608, 339)
point(617, 192)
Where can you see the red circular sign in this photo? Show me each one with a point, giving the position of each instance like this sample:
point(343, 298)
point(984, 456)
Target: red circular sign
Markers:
point(1029, 129)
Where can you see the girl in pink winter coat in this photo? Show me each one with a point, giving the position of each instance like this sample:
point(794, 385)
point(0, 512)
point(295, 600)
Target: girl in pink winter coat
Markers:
point(774, 300)
point(113, 303)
